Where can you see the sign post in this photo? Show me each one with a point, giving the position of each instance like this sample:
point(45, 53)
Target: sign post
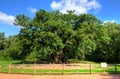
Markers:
point(103, 65)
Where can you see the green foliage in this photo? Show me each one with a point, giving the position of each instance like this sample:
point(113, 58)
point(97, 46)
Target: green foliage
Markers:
point(2, 41)
point(11, 48)
point(56, 37)
point(59, 36)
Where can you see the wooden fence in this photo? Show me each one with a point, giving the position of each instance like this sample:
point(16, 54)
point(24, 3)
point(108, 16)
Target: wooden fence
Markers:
point(60, 68)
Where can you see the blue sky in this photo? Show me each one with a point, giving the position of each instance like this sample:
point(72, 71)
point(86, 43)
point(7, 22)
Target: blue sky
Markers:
point(105, 10)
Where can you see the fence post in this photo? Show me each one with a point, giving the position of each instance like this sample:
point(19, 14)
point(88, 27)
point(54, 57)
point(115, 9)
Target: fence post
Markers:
point(63, 69)
point(22, 68)
point(34, 69)
point(50, 69)
point(90, 68)
point(115, 67)
point(76, 68)
point(9, 68)
point(0, 67)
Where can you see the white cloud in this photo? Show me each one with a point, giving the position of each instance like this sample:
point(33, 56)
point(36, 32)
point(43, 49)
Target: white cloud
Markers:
point(111, 21)
point(6, 19)
point(80, 6)
point(32, 10)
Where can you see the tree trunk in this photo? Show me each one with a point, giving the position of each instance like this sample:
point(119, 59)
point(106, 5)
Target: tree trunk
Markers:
point(56, 58)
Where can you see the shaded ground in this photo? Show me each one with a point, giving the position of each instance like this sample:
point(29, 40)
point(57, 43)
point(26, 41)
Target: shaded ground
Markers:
point(83, 76)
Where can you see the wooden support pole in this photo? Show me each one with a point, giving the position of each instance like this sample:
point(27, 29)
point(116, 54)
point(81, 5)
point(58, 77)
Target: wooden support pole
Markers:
point(90, 68)
point(34, 69)
point(115, 67)
point(9, 68)
point(22, 67)
point(76, 68)
point(63, 69)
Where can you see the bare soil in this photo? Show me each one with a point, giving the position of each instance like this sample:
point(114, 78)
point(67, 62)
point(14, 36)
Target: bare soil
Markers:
point(82, 76)
point(53, 66)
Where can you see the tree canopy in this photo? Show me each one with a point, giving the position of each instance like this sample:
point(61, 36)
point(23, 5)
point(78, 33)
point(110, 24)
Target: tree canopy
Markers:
point(55, 37)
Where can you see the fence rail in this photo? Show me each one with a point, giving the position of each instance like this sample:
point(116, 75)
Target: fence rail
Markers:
point(76, 68)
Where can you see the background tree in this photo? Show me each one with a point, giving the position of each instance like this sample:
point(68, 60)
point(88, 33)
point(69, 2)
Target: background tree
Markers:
point(2, 41)
point(9, 47)
point(113, 30)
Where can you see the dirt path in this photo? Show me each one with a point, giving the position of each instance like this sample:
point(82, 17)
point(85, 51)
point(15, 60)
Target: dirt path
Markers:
point(85, 76)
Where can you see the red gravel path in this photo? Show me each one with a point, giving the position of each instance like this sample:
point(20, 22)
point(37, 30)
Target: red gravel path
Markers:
point(84, 76)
